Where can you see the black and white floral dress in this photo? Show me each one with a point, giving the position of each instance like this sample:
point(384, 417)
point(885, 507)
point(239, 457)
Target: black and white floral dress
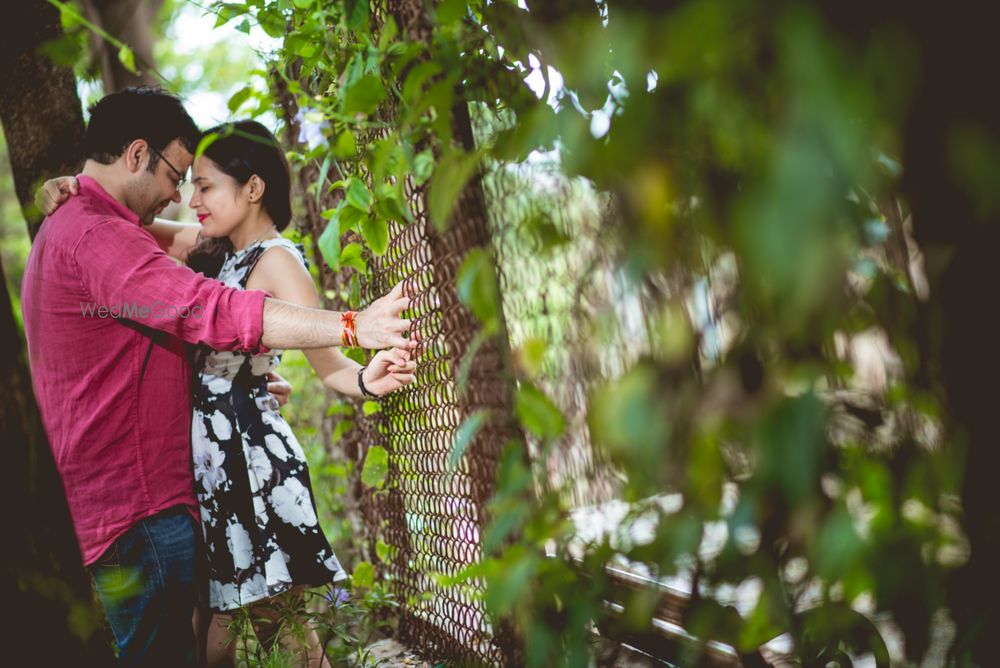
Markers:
point(258, 517)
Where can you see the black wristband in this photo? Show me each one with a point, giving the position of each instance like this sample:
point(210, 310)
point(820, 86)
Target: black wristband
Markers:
point(361, 384)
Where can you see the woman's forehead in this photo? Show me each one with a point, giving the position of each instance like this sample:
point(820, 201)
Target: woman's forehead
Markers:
point(202, 168)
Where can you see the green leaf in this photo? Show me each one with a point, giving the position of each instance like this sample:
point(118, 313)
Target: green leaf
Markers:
point(364, 95)
point(205, 142)
point(452, 173)
point(371, 407)
point(346, 145)
point(465, 433)
point(239, 97)
point(382, 550)
point(350, 256)
point(510, 584)
point(329, 241)
point(229, 11)
point(323, 171)
point(530, 355)
point(351, 218)
point(364, 575)
point(389, 203)
point(389, 32)
point(627, 419)
point(342, 428)
point(537, 412)
point(307, 49)
point(127, 58)
point(65, 50)
point(376, 467)
point(357, 13)
point(477, 288)
point(416, 78)
point(450, 11)
point(272, 23)
point(356, 354)
point(376, 234)
point(423, 166)
point(358, 195)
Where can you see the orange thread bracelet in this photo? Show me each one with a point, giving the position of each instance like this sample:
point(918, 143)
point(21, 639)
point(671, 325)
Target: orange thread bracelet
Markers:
point(349, 336)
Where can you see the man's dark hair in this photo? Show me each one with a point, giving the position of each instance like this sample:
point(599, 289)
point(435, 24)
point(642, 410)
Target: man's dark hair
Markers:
point(149, 113)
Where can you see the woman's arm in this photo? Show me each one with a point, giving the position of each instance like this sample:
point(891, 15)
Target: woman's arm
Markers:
point(284, 277)
point(176, 239)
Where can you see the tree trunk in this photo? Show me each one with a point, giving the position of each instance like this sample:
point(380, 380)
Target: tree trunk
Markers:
point(128, 21)
point(960, 234)
point(39, 105)
point(53, 618)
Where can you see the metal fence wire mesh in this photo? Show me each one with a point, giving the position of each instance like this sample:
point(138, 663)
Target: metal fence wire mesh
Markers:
point(557, 285)
point(561, 293)
point(431, 511)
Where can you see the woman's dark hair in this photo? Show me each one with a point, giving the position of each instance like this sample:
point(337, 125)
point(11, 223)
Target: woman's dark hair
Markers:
point(242, 149)
point(208, 256)
point(147, 112)
point(245, 148)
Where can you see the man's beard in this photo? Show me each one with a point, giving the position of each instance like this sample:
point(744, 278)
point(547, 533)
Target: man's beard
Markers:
point(154, 211)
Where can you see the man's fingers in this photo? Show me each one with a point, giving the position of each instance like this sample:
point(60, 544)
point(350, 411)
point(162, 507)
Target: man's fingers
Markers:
point(401, 304)
point(395, 341)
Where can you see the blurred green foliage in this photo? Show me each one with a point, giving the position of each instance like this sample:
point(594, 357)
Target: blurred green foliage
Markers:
point(14, 241)
point(748, 150)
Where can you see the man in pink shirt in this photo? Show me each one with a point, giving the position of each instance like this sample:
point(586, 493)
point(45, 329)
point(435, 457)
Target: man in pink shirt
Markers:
point(107, 314)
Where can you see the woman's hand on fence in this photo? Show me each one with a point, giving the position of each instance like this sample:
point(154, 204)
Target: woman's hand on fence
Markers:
point(380, 325)
point(54, 192)
point(389, 370)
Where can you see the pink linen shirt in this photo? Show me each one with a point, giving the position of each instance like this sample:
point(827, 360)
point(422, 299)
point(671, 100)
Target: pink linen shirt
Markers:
point(106, 315)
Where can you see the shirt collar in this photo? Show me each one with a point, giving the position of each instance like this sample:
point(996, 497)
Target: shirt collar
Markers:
point(95, 189)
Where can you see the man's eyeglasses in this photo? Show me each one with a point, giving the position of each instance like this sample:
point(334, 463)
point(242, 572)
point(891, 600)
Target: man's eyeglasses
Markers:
point(181, 179)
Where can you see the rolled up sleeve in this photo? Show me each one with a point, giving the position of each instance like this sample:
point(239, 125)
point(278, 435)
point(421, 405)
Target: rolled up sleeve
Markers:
point(121, 267)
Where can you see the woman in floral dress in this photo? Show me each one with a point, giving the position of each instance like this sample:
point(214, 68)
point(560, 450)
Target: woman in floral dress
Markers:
point(258, 515)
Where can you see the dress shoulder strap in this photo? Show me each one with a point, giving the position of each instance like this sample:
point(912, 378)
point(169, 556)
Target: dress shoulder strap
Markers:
point(296, 249)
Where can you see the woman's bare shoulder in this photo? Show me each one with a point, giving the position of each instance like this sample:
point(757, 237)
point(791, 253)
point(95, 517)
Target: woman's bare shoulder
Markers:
point(281, 272)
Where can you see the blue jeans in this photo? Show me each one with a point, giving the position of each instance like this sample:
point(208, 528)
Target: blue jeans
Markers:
point(146, 582)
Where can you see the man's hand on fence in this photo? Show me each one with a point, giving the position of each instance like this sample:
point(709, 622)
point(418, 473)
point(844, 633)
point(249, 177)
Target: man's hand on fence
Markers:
point(379, 326)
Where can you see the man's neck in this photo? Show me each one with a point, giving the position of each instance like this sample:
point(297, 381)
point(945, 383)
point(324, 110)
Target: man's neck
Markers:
point(106, 178)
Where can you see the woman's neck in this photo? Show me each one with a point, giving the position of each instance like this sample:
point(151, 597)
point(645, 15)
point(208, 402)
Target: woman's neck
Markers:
point(257, 228)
